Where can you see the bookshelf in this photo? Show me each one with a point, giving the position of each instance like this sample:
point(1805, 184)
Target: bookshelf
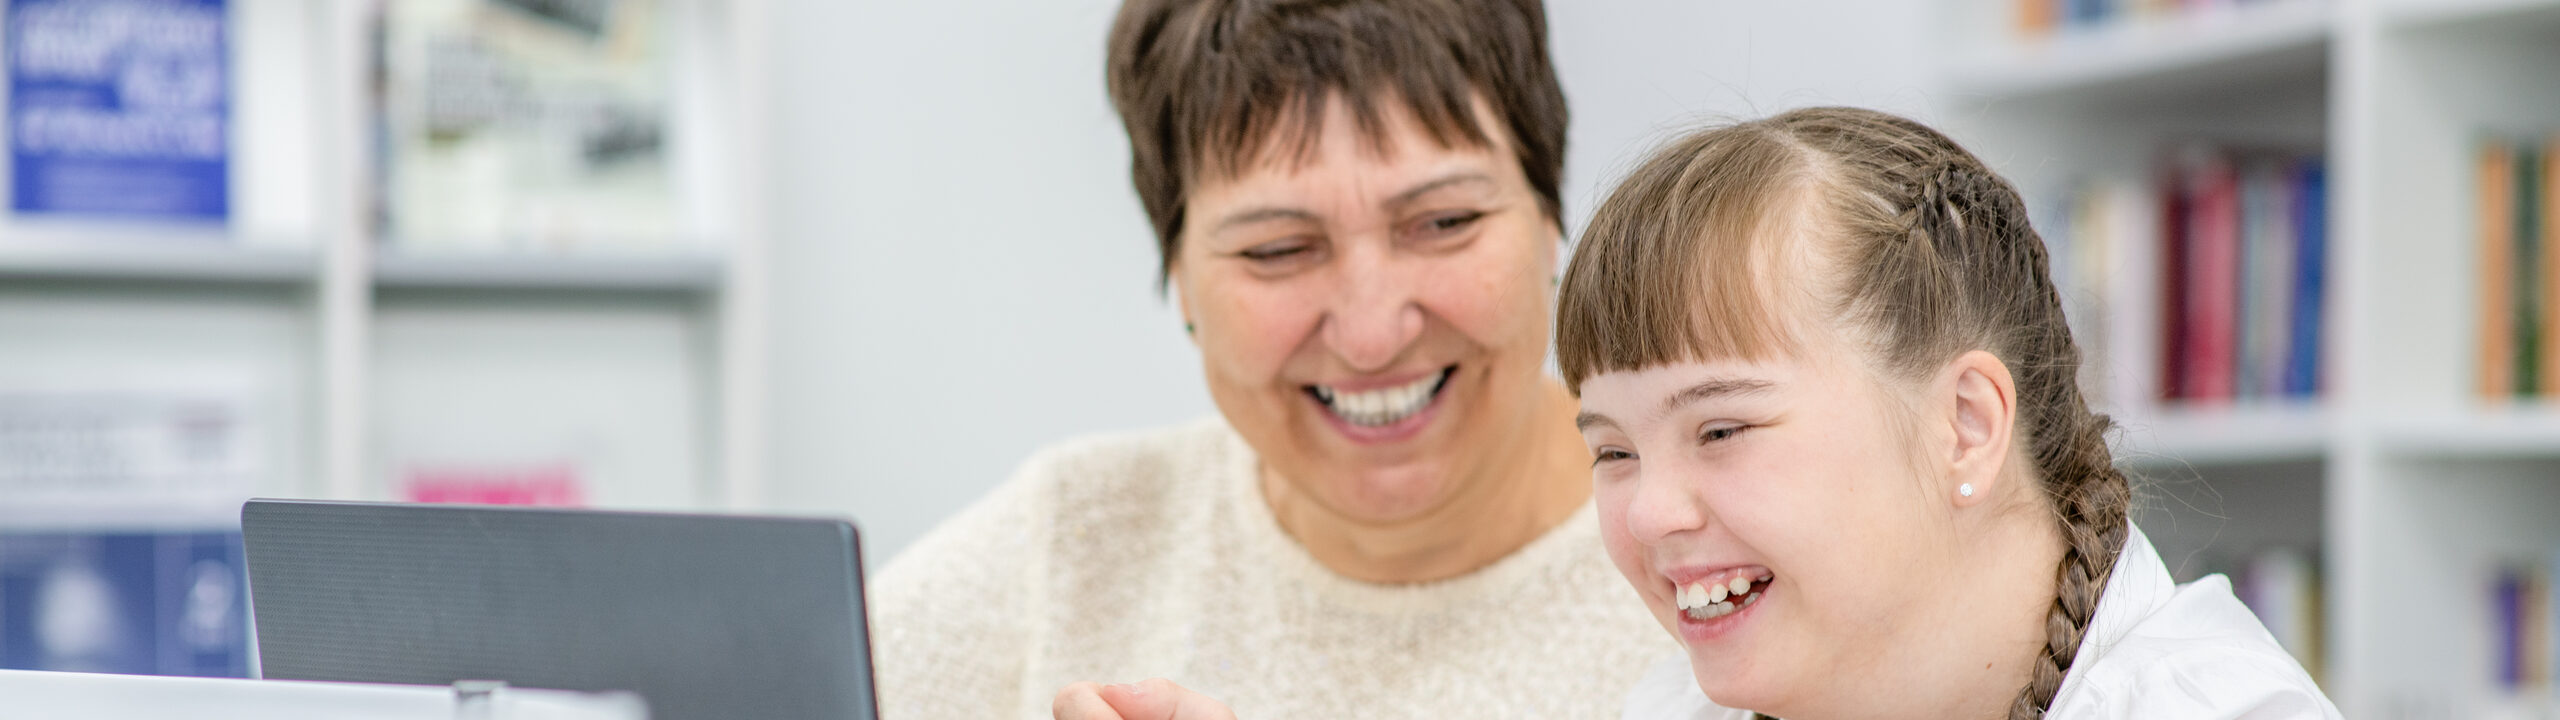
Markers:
point(2273, 433)
point(355, 356)
point(151, 257)
point(2276, 37)
point(2408, 486)
point(670, 273)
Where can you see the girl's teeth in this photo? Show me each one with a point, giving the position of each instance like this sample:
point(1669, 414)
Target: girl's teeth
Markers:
point(1708, 601)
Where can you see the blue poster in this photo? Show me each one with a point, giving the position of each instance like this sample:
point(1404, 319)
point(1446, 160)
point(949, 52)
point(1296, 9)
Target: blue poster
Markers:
point(137, 603)
point(119, 108)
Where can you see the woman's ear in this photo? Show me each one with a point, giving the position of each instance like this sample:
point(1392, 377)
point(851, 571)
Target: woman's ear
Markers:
point(1181, 300)
point(1982, 406)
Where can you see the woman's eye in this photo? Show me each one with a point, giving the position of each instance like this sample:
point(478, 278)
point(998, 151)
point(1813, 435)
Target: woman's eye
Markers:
point(1274, 251)
point(1443, 224)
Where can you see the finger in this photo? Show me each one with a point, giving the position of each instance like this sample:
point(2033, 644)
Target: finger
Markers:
point(1161, 699)
point(1082, 701)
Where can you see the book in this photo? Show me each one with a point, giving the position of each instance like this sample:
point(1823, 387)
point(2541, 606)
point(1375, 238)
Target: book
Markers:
point(2235, 248)
point(2495, 370)
point(142, 603)
point(2033, 17)
point(2175, 204)
point(2213, 277)
point(2534, 628)
point(516, 126)
point(2131, 217)
point(118, 111)
point(2268, 243)
point(2281, 585)
point(2550, 572)
point(2526, 295)
point(2310, 294)
point(2550, 276)
point(2078, 245)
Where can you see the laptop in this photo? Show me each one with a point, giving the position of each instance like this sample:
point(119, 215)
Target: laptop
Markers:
point(704, 616)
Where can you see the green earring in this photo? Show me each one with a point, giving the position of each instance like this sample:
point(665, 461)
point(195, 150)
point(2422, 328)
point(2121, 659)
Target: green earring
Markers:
point(1190, 329)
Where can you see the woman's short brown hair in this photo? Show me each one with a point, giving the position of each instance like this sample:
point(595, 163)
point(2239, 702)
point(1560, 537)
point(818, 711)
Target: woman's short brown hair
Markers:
point(1213, 86)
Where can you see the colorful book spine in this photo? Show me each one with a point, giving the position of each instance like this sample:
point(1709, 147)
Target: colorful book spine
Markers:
point(2524, 652)
point(2175, 205)
point(2550, 245)
point(2495, 371)
point(2528, 282)
point(2268, 242)
point(2281, 585)
point(2518, 240)
point(2213, 279)
point(2311, 227)
point(2535, 630)
point(2132, 218)
point(2236, 248)
point(2034, 17)
point(2038, 18)
point(2550, 572)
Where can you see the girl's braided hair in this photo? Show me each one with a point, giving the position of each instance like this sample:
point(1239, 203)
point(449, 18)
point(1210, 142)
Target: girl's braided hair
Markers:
point(1936, 259)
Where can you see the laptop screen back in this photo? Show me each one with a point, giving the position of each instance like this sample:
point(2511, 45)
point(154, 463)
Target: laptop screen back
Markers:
point(703, 616)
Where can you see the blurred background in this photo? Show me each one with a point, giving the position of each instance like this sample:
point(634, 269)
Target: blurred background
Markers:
point(862, 258)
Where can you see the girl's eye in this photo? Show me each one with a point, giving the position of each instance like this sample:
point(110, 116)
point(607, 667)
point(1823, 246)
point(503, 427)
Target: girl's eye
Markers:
point(1721, 433)
point(1607, 454)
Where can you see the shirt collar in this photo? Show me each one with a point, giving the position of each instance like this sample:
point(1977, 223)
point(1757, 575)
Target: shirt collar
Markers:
point(2138, 586)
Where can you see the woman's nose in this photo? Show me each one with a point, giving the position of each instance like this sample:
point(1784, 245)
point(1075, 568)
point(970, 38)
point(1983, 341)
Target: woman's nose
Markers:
point(1375, 313)
point(1662, 506)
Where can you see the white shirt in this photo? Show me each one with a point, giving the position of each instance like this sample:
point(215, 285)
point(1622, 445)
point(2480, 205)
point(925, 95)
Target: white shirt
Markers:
point(2155, 650)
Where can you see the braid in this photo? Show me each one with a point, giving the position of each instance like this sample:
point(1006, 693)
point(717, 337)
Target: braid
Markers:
point(2093, 513)
point(1975, 225)
point(2067, 444)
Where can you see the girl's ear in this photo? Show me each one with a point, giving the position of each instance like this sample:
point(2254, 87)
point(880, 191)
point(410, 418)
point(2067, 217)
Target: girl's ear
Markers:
point(1981, 402)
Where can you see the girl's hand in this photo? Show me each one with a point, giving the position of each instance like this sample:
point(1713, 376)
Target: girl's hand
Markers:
point(1150, 699)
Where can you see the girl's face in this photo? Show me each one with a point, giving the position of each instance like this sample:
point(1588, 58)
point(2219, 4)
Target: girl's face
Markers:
point(1773, 515)
point(1374, 319)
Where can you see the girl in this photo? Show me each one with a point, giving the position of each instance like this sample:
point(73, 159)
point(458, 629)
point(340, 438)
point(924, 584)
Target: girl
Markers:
point(1840, 453)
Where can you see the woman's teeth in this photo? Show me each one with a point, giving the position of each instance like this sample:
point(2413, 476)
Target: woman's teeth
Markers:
point(1383, 406)
point(1708, 601)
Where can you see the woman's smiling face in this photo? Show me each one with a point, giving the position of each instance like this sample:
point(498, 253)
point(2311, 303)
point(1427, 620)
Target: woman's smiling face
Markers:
point(1787, 475)
point(1372, 317)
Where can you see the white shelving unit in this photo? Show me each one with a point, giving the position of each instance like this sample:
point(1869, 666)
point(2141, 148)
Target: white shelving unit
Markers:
point(2410, 486)
point(646, 368)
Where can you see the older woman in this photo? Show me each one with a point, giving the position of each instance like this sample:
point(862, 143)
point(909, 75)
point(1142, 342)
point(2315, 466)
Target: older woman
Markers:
point(1357, 208)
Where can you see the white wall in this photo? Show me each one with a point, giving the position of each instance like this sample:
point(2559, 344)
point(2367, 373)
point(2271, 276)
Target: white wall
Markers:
point(1636, 72)
point(961, 271)
point(963, 274)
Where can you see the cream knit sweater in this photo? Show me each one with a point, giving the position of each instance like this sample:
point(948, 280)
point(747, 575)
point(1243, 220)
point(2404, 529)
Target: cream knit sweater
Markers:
point(1121, 558)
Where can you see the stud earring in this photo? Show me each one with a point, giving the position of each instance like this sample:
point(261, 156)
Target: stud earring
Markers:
point(1190, 329)
point(1965, 489)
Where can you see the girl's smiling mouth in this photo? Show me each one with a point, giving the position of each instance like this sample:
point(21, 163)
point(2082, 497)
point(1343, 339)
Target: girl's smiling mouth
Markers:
point(1713, 604)
point(1705, 600)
